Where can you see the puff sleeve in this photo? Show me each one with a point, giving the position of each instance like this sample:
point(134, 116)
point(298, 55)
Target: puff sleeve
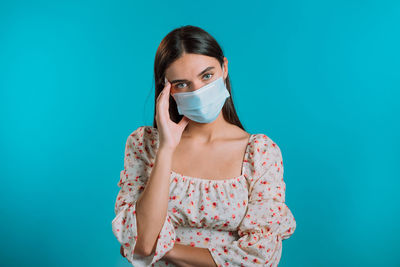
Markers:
point(267, 220)
point(138, 162)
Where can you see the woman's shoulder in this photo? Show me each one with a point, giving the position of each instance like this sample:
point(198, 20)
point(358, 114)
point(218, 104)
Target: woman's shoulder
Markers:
point(263, 151)
point(263, 142)
point(144, 140)
point(144, 133)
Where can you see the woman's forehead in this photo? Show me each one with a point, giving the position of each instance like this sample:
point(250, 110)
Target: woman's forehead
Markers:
point(190, 65)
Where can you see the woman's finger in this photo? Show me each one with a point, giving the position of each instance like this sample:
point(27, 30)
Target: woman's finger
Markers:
point(164, 92)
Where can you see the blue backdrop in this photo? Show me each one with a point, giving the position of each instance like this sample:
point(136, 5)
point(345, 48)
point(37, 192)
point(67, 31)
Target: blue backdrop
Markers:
point(321, 78)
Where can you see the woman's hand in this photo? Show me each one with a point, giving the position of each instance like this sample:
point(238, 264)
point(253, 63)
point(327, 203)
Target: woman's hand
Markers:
point(122, 251)
point(169, 132)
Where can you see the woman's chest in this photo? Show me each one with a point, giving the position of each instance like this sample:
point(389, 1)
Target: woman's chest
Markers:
point(217, 162)
point(207, 204)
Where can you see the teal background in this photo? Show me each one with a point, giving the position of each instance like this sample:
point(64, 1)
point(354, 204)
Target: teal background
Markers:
point(321, 78)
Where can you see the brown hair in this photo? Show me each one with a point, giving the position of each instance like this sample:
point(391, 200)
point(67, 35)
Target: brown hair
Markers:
point(193, 40)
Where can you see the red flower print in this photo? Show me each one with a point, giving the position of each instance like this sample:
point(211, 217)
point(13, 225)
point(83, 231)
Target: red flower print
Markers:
point(204, 198)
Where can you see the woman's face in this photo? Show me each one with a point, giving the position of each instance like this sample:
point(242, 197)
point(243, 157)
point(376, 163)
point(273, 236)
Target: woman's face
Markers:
point(192, 71)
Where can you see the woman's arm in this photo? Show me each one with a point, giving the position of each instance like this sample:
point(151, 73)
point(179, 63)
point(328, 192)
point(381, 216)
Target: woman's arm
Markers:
point(151, 207)
point(186, 256)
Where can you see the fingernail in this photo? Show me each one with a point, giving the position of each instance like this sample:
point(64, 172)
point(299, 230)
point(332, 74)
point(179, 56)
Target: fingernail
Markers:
point(165, 81)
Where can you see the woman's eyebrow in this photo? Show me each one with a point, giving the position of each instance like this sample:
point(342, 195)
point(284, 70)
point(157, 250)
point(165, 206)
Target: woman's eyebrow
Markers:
point(205, 70)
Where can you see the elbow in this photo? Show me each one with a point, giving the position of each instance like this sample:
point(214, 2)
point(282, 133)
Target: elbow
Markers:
point(141, 250)
point(147, 251)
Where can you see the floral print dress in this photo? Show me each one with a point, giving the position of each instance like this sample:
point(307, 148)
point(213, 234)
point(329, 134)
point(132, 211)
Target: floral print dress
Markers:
point(241, 221)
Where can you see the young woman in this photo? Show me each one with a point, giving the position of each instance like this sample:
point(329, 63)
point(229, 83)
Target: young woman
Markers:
point(197, 189)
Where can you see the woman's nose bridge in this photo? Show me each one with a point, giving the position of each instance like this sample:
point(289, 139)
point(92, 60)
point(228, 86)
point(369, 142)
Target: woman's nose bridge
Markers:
point(197, 84)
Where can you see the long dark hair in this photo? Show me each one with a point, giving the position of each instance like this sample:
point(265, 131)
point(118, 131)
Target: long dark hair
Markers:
point(193, 40)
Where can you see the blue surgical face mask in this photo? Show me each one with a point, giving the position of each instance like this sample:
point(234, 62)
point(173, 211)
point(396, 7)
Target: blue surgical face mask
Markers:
point(204, 104)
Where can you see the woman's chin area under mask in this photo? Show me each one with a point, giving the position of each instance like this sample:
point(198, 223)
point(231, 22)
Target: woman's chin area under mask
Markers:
point(217, 129)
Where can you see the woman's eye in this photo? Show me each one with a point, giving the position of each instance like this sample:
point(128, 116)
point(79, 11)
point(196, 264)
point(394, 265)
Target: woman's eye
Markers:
point(206, 75)
point(180, 87)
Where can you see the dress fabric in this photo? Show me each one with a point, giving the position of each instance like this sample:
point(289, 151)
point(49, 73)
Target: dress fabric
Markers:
point(241, 221)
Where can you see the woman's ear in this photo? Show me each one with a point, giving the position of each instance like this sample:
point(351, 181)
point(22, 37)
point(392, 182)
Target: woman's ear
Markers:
point(225, 68)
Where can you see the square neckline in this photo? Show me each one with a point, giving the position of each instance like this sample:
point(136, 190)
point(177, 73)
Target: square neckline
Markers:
point(245, 156)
